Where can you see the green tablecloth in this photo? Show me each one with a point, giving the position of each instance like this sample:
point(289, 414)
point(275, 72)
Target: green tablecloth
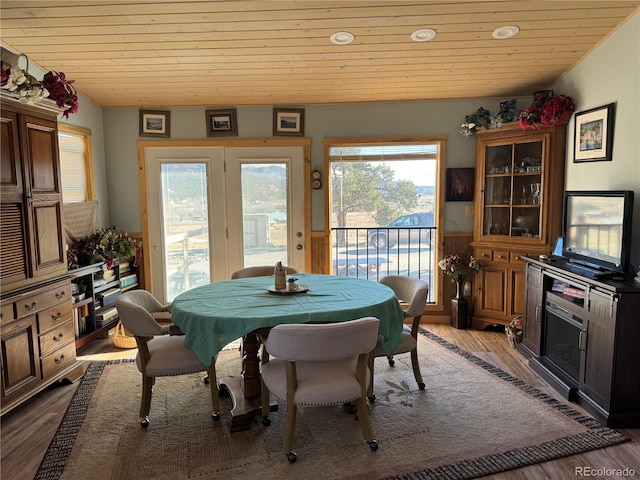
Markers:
point(211, 316)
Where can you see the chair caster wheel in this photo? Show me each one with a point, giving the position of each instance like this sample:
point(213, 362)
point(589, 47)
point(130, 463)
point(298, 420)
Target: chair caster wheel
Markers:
point(291, 456)
point(421, 386)
point(392, 362)
point(144, 422)
point(372, 398)
point(373, 445)
point(266, 421)
point(216, 416)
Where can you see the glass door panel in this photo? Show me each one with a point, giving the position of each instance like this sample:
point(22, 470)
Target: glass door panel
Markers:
point(185, 227)
point(264, 213)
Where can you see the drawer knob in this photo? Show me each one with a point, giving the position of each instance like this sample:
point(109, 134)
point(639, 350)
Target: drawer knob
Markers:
point(30, 306)
point(500, 256)
point(60, 359)
point(60, 295)
point(57, 338)
point(56, 316)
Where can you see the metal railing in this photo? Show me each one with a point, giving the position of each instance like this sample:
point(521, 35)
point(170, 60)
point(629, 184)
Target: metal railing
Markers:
point(373, 252)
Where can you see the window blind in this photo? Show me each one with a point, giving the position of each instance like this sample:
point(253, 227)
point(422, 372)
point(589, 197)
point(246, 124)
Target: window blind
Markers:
point(72, 166)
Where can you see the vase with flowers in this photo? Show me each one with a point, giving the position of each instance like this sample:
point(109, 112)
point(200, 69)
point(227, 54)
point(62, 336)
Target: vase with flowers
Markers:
point(457, 269)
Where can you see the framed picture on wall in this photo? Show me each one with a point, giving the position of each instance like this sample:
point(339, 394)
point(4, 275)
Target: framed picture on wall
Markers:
point(288, 122)
point(222, 123)
point(460, 184)
point(593, 135)
point(154, 123)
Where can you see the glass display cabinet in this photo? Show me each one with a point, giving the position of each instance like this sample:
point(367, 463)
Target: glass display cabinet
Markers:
point(518, 211)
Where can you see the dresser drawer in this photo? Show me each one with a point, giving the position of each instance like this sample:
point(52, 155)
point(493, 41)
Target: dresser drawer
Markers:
point(56, 338)
point(54, 316)
point(516, 257)
point(58, 360)
point(46, 299)
point(501, 256)
point(485, 254)
point(7, 314)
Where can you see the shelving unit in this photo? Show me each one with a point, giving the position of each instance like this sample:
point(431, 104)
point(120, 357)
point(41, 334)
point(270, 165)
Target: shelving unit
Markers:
point(95, 289)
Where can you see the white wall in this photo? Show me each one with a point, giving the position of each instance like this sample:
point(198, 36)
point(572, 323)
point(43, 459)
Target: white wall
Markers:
point(611, 73)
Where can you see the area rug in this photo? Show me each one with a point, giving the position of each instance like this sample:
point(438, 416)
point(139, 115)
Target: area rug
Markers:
point(472, 419)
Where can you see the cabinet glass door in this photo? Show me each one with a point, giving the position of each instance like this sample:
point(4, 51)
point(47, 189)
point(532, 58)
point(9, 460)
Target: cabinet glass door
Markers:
point(513, 189)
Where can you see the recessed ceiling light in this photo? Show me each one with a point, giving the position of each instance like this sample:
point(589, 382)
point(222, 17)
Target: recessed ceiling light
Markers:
point(505, 32)
point(423, 35)
point(342, 38)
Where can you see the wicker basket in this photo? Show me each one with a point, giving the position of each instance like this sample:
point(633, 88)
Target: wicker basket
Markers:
point(121, 338)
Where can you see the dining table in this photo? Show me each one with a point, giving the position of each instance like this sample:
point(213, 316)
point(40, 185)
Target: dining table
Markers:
point(212, 316)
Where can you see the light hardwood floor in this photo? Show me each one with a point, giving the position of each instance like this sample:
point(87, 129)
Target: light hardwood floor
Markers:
point(27, 430)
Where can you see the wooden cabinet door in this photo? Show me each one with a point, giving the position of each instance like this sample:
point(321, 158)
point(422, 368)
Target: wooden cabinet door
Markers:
point(515, 291)
point(533, 309)
point(491, 296)
point(597, 348)
point(44, 195)
point(20, 358)
point(13, 254)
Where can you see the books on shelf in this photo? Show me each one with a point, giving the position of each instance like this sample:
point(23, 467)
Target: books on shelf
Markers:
point(108, 296)
point(128, 280)
point(107, 316)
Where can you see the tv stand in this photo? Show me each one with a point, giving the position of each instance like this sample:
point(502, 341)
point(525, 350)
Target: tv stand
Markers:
point(609, 358)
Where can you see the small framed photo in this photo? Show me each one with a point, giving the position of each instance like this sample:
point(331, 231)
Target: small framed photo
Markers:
point(594, 134)
point(288, 122)
point(460, 183)
point(154, 123)
point(222, 123)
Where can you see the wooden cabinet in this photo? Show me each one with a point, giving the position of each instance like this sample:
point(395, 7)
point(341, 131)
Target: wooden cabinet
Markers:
point(605, 332)
point(36, 341)
point(36, 328)
point(519, 179)
point(31, 224)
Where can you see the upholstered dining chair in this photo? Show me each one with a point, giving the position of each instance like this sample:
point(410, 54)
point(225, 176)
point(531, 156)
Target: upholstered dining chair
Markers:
point(412, 292)
point(159, 354)
point(316, 365)
point(260, 271)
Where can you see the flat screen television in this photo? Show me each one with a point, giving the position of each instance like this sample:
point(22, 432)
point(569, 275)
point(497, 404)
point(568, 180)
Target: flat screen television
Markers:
point(597, 229)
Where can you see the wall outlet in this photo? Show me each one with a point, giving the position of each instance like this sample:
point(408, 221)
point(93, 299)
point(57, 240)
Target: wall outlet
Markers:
point(469, 211)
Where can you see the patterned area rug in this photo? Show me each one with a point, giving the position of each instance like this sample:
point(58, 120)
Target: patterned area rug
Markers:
point(472, 420)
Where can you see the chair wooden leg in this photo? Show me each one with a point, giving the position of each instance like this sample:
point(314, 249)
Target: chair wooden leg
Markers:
point(145, 402)
point(371, 365)
point(290, 427)
point(266, 407)
point(416, 368)
point(365, 423)
point(213, 384)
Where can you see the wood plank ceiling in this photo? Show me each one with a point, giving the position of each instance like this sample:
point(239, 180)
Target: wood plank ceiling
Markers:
point(138, 53)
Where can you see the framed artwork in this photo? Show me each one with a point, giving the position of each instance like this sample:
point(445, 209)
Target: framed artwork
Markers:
point(288, 122)
point(154, 123)
point(593, 140)
point(222, 123)
point(460, 184)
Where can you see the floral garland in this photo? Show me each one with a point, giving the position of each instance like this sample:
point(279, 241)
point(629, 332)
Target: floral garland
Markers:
point(482, 118)
point(29, 90)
